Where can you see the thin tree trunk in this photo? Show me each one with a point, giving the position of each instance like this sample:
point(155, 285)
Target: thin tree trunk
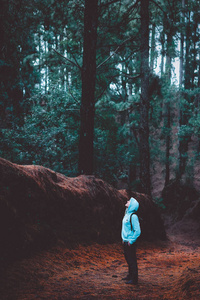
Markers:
point(195, 40)
point(144, 102)
point(46, 70)
point(181, 82)
point(181, 49)
point(199, 70)
point(62, 74)
point(187, 54)
point(183, 120)
point(162, 38)
point(85, 164)
point(168, 142)
point(168, 110)
point(153, 44)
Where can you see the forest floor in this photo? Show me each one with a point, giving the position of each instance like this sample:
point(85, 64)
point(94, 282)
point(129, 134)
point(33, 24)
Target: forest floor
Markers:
point(167, 270)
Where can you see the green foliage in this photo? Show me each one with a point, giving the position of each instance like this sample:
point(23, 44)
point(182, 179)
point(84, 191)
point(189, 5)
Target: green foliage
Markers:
point(49, 135)
point(194, 122)
point(159, 202)
point(115, 150)
point(41, 90)
point(185, 132)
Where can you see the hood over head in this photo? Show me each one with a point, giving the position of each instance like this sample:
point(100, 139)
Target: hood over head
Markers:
point(133, 206)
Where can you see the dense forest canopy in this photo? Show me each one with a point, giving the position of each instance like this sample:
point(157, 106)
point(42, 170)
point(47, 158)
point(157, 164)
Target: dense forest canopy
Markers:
point(91, 83)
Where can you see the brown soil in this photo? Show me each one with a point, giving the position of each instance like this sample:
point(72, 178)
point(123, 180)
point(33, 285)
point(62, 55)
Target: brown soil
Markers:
point(167, 270)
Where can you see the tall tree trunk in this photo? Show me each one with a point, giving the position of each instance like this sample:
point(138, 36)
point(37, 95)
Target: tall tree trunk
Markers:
point(183, 120)
point(195, 51)
point(162, 38)
point(85, 164)
point(153, 48)
point(46, 68)
point(167, 119)
point(188, 74)
point(181, 81)
point(144, 101)
point(62, 68)
point(181, 47)
point(198, 84)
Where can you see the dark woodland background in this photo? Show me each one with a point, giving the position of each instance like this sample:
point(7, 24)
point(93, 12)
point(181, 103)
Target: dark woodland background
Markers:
point(88, 88)
point(99, 101)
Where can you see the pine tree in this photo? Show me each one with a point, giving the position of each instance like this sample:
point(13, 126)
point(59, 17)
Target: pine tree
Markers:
point(86, 148)
point(144, 102)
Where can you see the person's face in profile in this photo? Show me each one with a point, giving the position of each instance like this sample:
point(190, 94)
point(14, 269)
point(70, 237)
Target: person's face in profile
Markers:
point(127, 203)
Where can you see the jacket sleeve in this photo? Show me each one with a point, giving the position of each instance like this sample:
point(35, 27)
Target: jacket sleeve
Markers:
point(136, 229)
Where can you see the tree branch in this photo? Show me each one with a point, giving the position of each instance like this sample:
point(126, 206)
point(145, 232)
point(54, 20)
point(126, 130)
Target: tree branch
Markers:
point(72, 94)
point(109, 57)
point(135, 135)
point(130, 76)
point(68, 50)
point(69, 60)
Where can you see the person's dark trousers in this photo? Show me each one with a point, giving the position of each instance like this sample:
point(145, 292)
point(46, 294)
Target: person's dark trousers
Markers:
point(131, 258)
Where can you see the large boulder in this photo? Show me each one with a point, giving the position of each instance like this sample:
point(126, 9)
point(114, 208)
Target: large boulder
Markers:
point(41, 208)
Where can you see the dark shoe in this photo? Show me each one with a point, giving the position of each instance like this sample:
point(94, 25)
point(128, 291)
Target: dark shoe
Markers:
point(126, 278)
point(131, 282)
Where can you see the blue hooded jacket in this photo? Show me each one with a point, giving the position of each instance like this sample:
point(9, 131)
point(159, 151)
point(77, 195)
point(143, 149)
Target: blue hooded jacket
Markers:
point(127, 234)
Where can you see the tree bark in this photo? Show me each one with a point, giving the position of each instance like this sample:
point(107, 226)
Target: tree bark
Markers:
point(198, 84)
point(167, 115)
point(153, 48)
point(87, 113)
point(183, 118)
point(144, 102)
point(181, 48)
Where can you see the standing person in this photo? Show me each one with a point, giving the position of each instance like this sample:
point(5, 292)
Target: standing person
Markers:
point(130, 232)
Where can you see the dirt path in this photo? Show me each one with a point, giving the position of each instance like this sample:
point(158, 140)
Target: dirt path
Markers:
point(167, 270)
